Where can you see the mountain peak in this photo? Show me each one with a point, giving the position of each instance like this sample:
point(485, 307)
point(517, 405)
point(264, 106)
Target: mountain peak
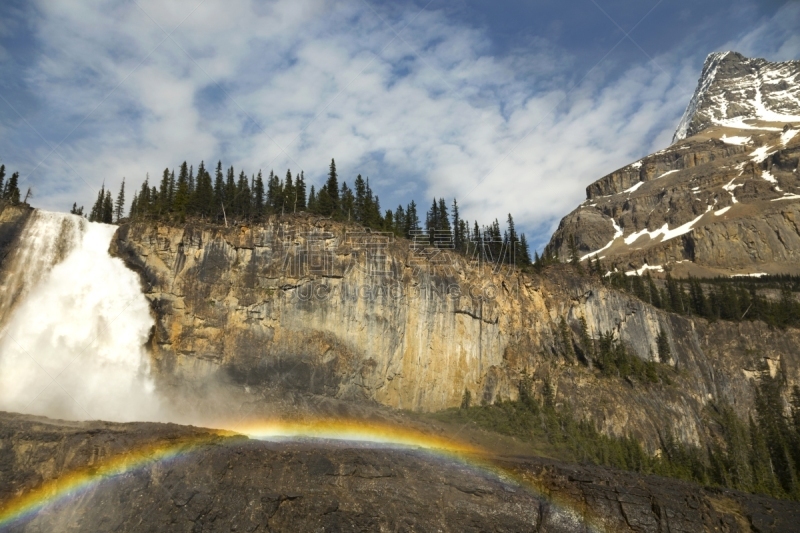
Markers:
point(734, 88)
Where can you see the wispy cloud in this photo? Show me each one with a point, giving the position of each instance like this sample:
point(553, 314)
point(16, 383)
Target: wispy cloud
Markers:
point(407, 96)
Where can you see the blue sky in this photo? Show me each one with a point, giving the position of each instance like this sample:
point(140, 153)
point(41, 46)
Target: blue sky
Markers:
point(509, 106)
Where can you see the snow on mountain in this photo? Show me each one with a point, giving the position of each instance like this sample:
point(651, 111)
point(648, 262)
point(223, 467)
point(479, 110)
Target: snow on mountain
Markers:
point(733, 89)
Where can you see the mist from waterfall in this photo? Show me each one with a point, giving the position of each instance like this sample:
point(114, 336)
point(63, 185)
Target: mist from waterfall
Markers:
point(74, 326)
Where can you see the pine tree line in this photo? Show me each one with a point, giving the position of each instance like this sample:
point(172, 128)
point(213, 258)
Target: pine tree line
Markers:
point(9, 190)
point(763, 454)
point(717, 299)
point(760, 455)
point(228, 198)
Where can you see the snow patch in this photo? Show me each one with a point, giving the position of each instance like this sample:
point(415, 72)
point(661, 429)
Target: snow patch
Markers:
point(787, 196)
point(787, 136)
point(633, 189)
point(767, 175)
point(755, 275)
point(739, 124)
point(761, 153)
point(645, 268)
point(730, 187)
point(664, 231)
point(667, 173)
point(722, 211)
point(735, 140)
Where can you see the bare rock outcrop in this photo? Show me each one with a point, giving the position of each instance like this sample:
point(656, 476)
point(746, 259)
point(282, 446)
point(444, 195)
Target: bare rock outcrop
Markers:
point(230, 483)
point(415, 334)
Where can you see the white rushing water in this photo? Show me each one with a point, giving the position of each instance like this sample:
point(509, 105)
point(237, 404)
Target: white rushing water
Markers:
point(75, 322)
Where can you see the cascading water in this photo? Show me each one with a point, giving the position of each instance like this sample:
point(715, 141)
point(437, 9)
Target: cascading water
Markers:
point(75, 323)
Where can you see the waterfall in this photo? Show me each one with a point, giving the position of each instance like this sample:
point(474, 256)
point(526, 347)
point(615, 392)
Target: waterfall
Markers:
point(74, 325)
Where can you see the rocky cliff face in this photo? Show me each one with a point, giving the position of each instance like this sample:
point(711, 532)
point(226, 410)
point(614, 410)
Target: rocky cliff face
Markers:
point(723, 201)
point(260, 308)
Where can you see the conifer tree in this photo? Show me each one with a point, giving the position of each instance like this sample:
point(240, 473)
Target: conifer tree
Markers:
point(458, 236)
point(372, 209)
point(360, 201)
point(219, 188)
point(164, 205)
point(108, 209)
point(328, 195)
point(119, 206)
point(412, 220)
point(760, 463)
point(324, 203)
point(191, 181)
point(13, 189)
point(300, 186)
point(332, 185)
point(512, 240)
point(312, 201)
point(241, 204)
point(399, 221)
point(153, 201)
point(444, 217)
point(639, 288)
point(274, 193)
point(655, 297)
point(523, 256)
point(586, 341)
point(181, 199)
point(566, 338)
point(432, 221)
point(258, 195)
point(675, 295)
point(574, 255)
point(697, 299)
point(134, 206)
point(773, 425)
point(170, 201)
point(203, 198)
point(347, 200)
point(142, 207)
point(288, 194)
point(96, 215)
point(662, 344)
point(230, 189)
point(2, 177)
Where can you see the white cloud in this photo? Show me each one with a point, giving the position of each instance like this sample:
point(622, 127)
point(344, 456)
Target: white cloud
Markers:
point(427, 113)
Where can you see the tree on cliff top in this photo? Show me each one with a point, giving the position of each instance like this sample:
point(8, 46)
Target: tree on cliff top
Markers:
point(119, 206)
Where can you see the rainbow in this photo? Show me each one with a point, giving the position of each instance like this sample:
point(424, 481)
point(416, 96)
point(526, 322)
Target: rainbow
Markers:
point(76, 482)
point(354, 431)
point(381, 434)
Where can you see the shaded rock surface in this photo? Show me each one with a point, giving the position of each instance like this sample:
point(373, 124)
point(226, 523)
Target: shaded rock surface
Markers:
point(235, 484)
point(630, 502)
